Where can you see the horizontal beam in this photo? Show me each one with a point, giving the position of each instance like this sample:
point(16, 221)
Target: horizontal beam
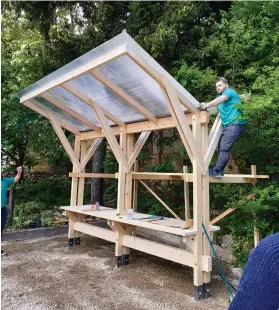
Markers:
point(160, 250)
point(163, 123)
point(116, 53)
point(93, 175)
point(228, 178)
point(95, 231)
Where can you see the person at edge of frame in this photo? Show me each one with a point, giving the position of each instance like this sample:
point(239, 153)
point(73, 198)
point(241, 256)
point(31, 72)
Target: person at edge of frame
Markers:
point(228, 102)
point(5, 184)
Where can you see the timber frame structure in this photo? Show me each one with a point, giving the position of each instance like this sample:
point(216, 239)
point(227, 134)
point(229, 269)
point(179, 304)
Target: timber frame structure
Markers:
point(90, 97)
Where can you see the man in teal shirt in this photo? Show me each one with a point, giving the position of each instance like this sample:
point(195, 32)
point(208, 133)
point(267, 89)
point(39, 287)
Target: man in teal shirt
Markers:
point(227, 102)
point(5, 184)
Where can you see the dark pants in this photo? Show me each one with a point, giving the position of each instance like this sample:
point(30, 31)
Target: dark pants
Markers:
point(4, 217)
point(229, 136)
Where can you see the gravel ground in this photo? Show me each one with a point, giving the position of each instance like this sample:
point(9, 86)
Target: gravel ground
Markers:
point(43, 274)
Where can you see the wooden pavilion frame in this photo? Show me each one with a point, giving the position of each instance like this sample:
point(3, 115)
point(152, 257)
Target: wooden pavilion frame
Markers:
point(199, 143)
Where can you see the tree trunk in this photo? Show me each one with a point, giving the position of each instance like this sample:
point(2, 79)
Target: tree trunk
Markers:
point(11, 205)
point(97, 185)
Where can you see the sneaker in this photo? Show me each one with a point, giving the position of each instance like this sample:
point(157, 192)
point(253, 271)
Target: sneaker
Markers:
point(3, 253)
point(214, 173)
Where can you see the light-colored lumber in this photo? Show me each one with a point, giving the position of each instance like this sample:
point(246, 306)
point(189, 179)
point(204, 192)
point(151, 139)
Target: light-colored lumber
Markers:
point(213, 144)
point(161, 250)
point(110, 56)
point(186, 99)
point(129, 176)
point(135, 187)
point(163, 123)
point(81, 180)
point(93, 175)
point(91, 152)
point(123, 95)
point(33, 105)
point(221, 216)
point(178, 115)
point(138, 147)
point(186, 194)
point(74, 186)
point(70, 111)
point(162, 202)
point(216, 121)
point(66, 144)
point(92, 103)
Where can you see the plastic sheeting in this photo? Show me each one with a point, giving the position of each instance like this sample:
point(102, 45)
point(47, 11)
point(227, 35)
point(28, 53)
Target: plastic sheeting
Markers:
point(122, 72)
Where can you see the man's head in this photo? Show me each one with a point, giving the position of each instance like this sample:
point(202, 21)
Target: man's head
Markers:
point(221, 84)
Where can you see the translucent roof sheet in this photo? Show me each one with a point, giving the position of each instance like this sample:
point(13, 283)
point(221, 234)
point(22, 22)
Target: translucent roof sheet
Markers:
point(123, 72)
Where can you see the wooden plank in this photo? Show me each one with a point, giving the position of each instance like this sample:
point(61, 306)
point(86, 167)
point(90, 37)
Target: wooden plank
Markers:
point(197, 209)
point(222, 215)
point(135, 187)
point(129, 176)
point(92, 103)
point(213, 144)
point(138, 146)
point(123, 95)
point(95, 63)
point(91, 152)
point(216, 121)
point(74, 186)
point(163, 123)
point(162, 202)
point(93, 175)
point(187, 99)
point(32, 104)
point(81, 180)
point(177, 113)
point(186, 194)
point(160, 250)
point(65, 143)
point(70, 111)
point(122, 175)
point(121, 158)
point(177, 124)
point(95, 231)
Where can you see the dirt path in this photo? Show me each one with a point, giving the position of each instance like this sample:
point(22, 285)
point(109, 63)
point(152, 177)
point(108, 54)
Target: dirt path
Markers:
point(43, 274)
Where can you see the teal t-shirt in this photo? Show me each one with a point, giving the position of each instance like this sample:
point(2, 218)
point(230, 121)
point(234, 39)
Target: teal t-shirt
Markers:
point(5, 184)
point(229, 112)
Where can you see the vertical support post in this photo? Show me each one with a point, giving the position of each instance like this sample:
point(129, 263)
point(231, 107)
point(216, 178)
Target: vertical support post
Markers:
point(256, 231)
point(197, 213)
point(135, 188)
point(74, 191)
point(205, 205)
point(186, 195)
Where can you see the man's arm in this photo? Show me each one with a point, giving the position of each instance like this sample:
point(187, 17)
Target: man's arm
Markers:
point(213, 103)
point(18, 176)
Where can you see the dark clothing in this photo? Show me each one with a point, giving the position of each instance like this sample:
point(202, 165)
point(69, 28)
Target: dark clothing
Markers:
point(258, 287)
point(229, 136)
point(4, 217)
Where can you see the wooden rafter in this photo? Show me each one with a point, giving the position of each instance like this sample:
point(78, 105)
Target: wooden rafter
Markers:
point(65, 143)
point(90, 102)
point(95, 63)
point(32, 104)
point(189, 102)
point(47, 96)
point(123, 95)
point(91, 152)
point(162, 202)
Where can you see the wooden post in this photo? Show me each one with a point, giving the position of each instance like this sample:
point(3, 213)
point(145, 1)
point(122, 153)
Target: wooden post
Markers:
point(186, 195)
point(135, 188)
point(129, 176)
point(205, 207)
point(256, 231)
point(81, 180)
point(197, 213)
